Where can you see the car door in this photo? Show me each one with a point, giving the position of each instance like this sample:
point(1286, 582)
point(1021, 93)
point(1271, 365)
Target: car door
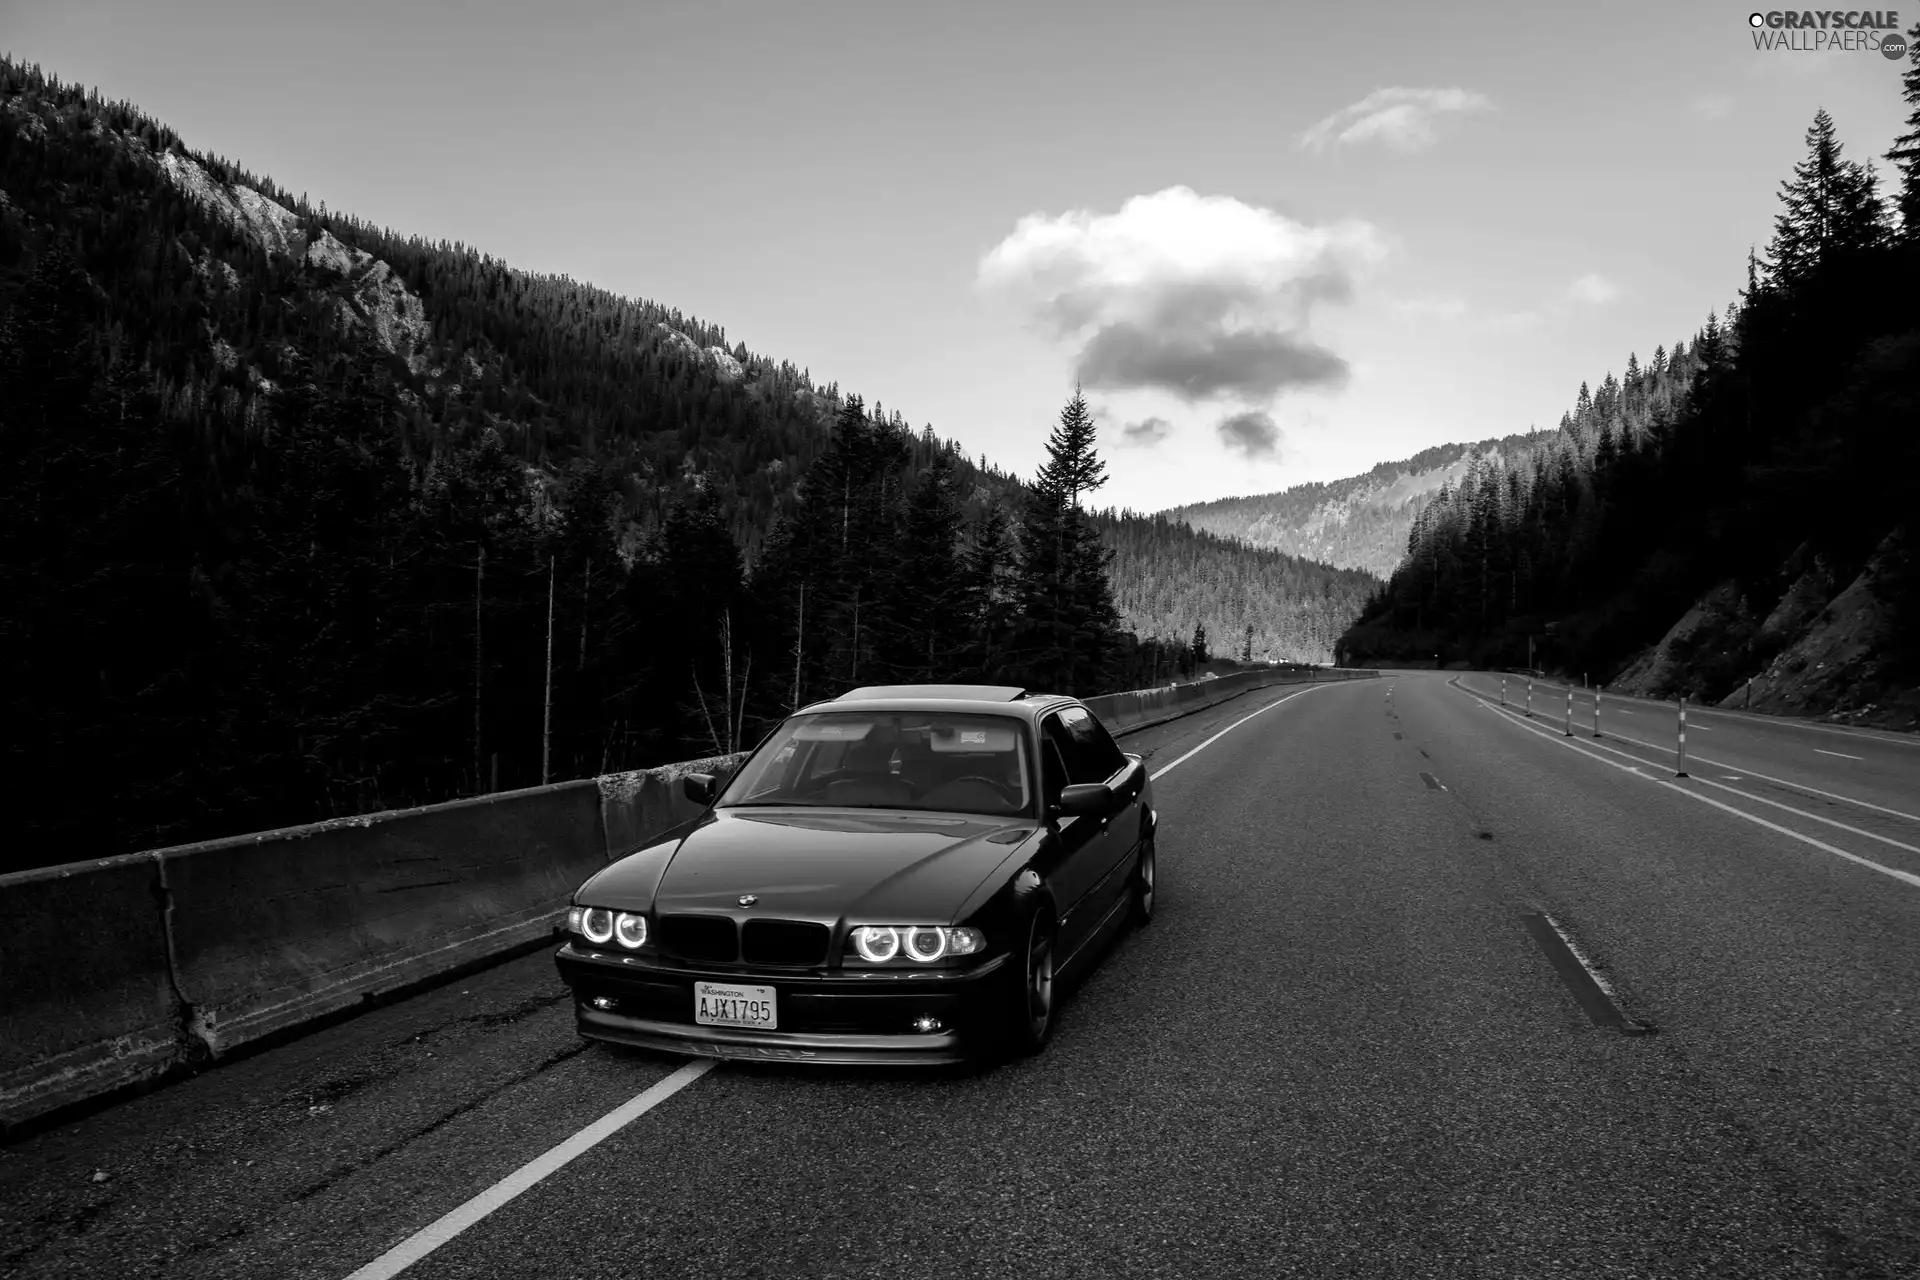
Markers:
point(1096, 846)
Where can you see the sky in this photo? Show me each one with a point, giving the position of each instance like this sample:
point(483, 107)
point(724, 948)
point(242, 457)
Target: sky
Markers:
point(1273, 243)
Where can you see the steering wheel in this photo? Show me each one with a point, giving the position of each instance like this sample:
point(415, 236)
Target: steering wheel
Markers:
point(998, 786)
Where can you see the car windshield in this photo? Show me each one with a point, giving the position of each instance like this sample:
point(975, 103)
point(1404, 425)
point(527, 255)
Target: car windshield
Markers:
point(890, 760)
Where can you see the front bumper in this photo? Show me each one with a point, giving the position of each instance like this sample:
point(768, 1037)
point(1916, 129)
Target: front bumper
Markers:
point(862, 1018)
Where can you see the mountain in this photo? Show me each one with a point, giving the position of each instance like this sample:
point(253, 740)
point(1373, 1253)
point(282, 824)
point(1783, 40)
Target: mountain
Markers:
point(302, 517)
point(1732, 520)
point(1170, 579)
point(1360, 522)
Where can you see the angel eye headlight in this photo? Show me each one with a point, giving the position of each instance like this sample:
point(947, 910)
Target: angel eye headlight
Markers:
point(631, 929)
point(926, 944)
point(597, 925)
point(876, 942)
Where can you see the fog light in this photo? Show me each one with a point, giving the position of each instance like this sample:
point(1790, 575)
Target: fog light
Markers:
point(604, 1003)
point(924, 1023)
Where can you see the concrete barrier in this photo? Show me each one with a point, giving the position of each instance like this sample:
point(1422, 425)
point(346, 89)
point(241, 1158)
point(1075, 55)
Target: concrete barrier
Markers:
point(1124, 713)
point(86, 1001)
point(642, 805)
point(274, 930)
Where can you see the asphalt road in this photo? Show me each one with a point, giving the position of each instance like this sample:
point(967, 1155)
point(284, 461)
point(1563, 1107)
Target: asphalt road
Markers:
point(1352, 1044)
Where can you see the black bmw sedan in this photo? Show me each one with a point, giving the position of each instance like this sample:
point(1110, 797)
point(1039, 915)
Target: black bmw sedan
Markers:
point(898, 875)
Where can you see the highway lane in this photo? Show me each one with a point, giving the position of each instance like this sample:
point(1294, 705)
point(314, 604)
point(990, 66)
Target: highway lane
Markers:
point(1338, 1051)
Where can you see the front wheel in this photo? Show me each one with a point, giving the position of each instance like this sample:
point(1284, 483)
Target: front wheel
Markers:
point(1027, 1017)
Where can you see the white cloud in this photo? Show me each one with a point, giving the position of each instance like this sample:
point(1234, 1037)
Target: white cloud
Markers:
point(1593, 287)
point(1202, 297)
point(1714, 106)
point(1400, 117)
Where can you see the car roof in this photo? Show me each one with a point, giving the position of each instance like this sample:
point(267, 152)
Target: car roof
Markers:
point(989, 698)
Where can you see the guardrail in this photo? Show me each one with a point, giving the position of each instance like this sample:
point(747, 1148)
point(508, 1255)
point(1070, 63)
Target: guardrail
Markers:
point(123, 970)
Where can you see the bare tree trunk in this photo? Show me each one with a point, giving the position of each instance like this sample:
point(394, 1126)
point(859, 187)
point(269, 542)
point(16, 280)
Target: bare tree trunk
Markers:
point(726, 660)
point(855, 677)
point(586, 599)
point(479, 579)
point(740, 718)
point(799, 639)
point(706, 712)
point(546, 719)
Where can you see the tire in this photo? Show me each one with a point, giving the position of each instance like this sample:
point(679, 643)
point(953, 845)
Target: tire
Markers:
point(1028, 1014)
point(1145, 882)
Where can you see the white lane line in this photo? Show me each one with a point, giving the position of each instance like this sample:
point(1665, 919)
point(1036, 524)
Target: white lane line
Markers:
point(1169, 768)
point(1905, 877)
point(425, 1241)
point(1843, 755)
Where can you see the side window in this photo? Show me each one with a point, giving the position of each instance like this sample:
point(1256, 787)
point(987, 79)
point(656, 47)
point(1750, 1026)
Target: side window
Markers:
point(1105, 748)
point(1090, 751)
point(1053, 767)
point(1073, 732)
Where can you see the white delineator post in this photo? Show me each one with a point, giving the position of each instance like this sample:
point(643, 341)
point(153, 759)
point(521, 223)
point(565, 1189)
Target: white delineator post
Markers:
point(1529, 697)
point(1503, 691)
point(1596, 712)
point(1682, 772)
point(1569, 708)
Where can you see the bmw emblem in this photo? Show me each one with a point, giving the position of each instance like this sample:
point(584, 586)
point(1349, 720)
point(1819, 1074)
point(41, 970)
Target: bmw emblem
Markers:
point(748, 899)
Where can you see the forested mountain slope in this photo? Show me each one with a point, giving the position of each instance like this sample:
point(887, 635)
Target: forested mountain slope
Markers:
point(1740, 510)
point(1360, 522)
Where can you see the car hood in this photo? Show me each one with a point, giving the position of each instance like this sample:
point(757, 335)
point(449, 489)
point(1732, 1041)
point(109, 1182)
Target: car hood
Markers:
point(827, 866)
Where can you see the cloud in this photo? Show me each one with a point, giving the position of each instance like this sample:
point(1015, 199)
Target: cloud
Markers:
point(1593, 287)
point(1147, 431)
point(1197, 296)
point(1401, 118)
point(1714, 106)
point(1252, 433)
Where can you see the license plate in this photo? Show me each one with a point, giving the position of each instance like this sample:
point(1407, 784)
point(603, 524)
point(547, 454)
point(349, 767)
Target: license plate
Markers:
point(729, 1004)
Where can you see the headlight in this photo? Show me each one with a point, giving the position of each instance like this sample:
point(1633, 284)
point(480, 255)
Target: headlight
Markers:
point(631, 930)
point(596, 926)
point(924, 943)
point(877, 942)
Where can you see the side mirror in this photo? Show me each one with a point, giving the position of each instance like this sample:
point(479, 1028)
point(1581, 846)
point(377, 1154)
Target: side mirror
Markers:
point(1084, 799)
point(699, 787)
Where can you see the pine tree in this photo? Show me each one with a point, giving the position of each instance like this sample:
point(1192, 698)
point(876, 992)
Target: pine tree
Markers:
point(1072, 466)
point(1831, 208)
point(1905, 152)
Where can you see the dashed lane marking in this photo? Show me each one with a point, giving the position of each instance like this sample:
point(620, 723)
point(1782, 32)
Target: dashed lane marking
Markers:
point(1843, 755)
point(1580, 977)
